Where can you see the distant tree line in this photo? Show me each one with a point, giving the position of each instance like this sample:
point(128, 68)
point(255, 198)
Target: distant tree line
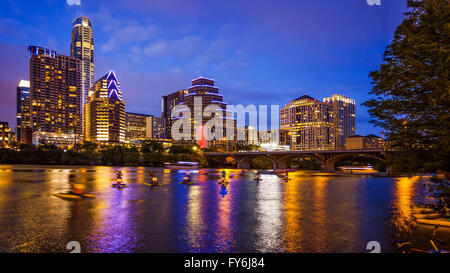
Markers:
point(151, 153)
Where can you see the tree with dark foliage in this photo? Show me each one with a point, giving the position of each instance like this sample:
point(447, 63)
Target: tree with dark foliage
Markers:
point(412, 89)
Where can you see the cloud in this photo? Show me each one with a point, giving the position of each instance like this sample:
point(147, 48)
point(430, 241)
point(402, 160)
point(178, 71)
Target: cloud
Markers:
point(123, 31)
point(183, 47)
point(11, 27)
point(231, 64)
point(109, 45)
point(157, 48)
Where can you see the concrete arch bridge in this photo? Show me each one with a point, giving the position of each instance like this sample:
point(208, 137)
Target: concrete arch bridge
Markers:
point(280, 159)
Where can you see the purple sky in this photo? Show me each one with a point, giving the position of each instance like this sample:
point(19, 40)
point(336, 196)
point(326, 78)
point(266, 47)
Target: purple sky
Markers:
point(259, 52)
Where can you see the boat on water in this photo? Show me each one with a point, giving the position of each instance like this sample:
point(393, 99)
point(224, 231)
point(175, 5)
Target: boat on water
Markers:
point(152, 184)
point(181, 165)
point(72, 196)
point(188, 182)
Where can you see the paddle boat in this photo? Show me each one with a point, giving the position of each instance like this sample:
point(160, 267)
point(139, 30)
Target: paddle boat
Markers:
point(72, 196)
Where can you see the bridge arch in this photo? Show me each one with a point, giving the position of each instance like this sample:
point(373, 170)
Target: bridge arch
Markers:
point(282, 162)
point(245, 162)
point(330, 163)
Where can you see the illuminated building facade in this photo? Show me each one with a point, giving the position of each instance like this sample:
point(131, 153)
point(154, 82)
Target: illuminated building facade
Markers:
point(138, 126)
point(344, 118)
point(5, 134)
point(142, 127)
point(55, 92)
point(168, 102)
point(247, 135)
point(23, 127)
point(209, 94)
point(105, 111)
point(357, 142)
point(157, 127)
point(82, 48)
point(310, 123)
point(59, 139)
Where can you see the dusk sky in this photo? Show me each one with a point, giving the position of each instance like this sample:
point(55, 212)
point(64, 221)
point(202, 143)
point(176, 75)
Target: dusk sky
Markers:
point(259, 52)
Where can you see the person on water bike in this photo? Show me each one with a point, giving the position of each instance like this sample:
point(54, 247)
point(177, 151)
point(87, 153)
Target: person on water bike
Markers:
point(119, 177)
point(75, 187)
point(224, 175)
point(258, 175)
point(188, 177)
point(152, 177)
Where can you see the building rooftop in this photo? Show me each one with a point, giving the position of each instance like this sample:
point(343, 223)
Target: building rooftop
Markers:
point(24, 83)
point(146, 115)
point(305, 97)
point(82, 20)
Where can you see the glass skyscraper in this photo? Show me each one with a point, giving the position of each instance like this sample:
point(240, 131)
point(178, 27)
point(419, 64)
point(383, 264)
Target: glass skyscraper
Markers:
point(82, 48)
point(344, 118)
point(23, 127)
point(168, 102)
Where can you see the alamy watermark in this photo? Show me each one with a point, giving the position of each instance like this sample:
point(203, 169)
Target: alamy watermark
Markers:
point(214, 122)
point(73, 2)
point(373, 2)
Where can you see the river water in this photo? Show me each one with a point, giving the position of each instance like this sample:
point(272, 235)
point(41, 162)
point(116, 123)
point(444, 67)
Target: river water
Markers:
point(312, 212)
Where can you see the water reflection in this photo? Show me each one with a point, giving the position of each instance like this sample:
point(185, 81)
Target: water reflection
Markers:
point(319, 228)
point(403, 200)
point(269, 213)
point(293, 232)
point(223, 236)
point(309, 213)
point(115, 216)
point(194, 223)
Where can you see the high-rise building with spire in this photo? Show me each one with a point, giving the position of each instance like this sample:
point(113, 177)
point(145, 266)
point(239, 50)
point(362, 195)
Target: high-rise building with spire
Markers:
point(105, 111)
point(82, 48)
point(23, 127)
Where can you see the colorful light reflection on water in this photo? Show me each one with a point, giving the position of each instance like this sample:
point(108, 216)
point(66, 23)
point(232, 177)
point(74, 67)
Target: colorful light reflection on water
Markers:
point(312, 212)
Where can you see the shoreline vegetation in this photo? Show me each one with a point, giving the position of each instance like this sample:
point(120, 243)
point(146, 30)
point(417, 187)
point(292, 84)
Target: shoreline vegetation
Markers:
point(150, 154)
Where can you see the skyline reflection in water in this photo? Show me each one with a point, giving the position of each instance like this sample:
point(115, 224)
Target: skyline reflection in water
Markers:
point(312, 212)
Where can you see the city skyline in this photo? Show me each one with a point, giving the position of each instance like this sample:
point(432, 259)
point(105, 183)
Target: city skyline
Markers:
point(234, 88)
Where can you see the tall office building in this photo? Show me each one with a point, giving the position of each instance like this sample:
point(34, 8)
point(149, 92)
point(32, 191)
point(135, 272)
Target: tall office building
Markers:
point(55, 91)
point(310, 124)
point(23, 125)
point(157, 128)
point(82, 48)
point(344, 118)
point(105, 111)
point(138, 126)
point(168, 102)
point(205, 89)
point(143, 127)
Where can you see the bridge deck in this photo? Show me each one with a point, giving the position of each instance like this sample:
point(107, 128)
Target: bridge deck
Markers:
point(295, 152)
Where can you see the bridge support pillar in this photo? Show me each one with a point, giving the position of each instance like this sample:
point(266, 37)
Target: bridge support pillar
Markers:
point(279, 165)
point(328, 166)
point(243, 164)
point(388, 169)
